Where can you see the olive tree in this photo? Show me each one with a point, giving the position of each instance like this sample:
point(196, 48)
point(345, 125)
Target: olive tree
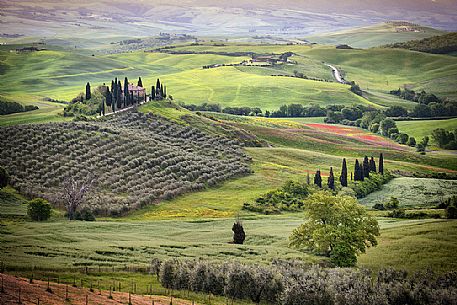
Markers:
point(73, 194)
point(336, 226)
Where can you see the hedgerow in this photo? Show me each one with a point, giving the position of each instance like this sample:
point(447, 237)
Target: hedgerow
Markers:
point(294, 283)
point(137, 159)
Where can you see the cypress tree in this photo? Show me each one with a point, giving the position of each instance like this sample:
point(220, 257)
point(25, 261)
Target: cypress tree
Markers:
point(357, 171)
point(351, 176)
point(113, 106)
point(318, 179)
point(126, 92)
point(103, 107)
point(153, 93)
point(331, 180)
point(114, 90)
point(158, 89)
point(88, 95)
point(372, 165)
point(366, 167)
point(161, 91)
point(238, 233)
point(119, 92)
point(344, 174)
point(165, 91)
point(381, 164)
point(109, 98)
point(140, 82)
point(112, 85)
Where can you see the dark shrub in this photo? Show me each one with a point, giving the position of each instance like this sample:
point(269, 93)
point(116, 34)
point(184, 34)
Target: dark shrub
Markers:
point(39, 209)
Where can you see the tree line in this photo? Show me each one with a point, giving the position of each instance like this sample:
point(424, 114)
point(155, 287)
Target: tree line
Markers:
point(375, 121)
point(287, 110)
point(7, 107)
point(294, 283)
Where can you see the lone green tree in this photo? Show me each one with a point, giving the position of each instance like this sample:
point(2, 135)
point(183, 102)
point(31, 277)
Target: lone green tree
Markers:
point(238, 232)
point(344, 174)
point(88, 94)
point(331, 180)
point(318, 178)
point(153, 93)
point(140, 82)
point(39, 209)
point(336, 226)
point(4, 177)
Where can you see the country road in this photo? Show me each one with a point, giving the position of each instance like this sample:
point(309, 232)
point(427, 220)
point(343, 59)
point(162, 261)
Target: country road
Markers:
point(337, 74)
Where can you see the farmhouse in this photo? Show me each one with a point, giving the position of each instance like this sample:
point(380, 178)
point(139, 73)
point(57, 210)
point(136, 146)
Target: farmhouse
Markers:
point(137, 92)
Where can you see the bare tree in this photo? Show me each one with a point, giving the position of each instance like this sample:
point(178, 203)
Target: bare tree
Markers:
point(74, 192)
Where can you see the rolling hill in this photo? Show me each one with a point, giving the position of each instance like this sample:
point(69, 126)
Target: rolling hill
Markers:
point(376, 35)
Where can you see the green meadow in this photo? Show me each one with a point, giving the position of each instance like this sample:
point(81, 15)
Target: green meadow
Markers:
point(198, 224)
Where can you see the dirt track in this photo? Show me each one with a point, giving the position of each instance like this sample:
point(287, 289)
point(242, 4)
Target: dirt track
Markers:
point(31, 293)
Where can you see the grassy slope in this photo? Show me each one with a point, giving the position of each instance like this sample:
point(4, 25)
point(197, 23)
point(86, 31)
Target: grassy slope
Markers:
point(420, 129)
point(372, 36)
point(414, 245)
point(414, 192)
point(381, 70)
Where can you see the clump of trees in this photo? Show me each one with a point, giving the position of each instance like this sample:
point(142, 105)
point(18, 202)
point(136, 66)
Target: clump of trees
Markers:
point(376, 121)
point(444, 138)
point(365, 179)
point(442, 44)
point(39, 209)
point(295, 283)
point(337, 227)
point(7, 107)
point(287, 198)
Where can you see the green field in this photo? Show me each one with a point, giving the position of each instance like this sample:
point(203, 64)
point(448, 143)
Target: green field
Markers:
point(414, 192)
point(198, 224)
point(422, 128)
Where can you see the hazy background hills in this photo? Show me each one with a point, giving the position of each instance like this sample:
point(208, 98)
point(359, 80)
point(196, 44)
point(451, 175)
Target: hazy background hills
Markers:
point(231, 18)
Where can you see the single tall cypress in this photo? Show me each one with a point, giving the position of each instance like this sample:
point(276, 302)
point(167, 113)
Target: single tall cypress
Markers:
point(109, 98)
point(88, 95)
point(126, 92)
point(115, 95)
point(112, 85)
point(357, 171)
point(372, 165)
point(157, 88)
point(318, 179)
point(381, 164)
point(344, 174)
point(103, 107)
point(140, 82)
point(119, 97)
point(153, 93)
point(331, 180)
point(366, 167)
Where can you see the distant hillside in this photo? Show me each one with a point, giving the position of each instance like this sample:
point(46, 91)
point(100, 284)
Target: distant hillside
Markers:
point(376, 35)
point(443, 44)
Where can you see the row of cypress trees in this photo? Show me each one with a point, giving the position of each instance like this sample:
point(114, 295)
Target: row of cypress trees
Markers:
point(116, 96)
point(361, 171)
